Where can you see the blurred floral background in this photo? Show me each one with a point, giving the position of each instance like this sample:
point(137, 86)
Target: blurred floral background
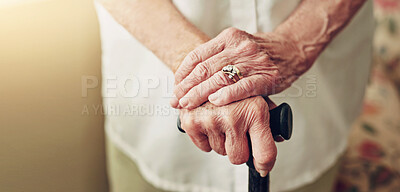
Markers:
point(372, 161)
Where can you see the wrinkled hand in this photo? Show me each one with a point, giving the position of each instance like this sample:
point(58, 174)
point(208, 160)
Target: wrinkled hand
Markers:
point(224, 130)
point(269, 63)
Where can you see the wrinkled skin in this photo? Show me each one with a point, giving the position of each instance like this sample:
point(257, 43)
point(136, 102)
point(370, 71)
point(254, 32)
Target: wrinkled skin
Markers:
point(224, 130)
point(268, 62)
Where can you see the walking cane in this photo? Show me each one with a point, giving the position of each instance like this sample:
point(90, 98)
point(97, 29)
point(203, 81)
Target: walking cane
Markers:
point(281, 125)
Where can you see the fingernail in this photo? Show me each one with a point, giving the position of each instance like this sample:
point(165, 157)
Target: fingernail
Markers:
point(263, 173)
point(184, 102)
point(174, 102)
point(212, 97)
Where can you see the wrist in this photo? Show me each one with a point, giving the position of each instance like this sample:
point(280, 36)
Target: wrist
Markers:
point(305, 48)
point(294, 52)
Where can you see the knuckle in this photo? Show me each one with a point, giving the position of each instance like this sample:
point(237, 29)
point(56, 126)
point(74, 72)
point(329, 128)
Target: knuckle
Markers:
point(275, 77)
point(179, 91)
point(220, 119)
point(260, 108)
point(228, 95)
point(261, 111)
point(231, 30)
point(178, 77)
point(263, 59)
point(234, 32)
point(201, 142)
point(208, 65)
point(219, 150)
point(231, 125)
point(240, 152)
point(238, 158)
point(218, 144)
point(182, 72)
point(248, 47)
point(246, 86)
point(201, 72)
point(221, 80)
point(195, 93)
point(194, 56)
point(268, 158)
point(238, 130)
point(188, 125)
point(200, 139)
point(205, 149)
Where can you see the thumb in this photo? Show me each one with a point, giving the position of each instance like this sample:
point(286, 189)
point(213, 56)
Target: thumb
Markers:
point(263, 147)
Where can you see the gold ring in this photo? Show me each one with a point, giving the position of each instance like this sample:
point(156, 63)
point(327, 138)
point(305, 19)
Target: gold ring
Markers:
point(233, 72)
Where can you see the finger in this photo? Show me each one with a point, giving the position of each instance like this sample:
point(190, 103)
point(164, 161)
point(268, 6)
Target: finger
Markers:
point(199, 93)
point(237, 148)
point(242, 89)
point(263, 147)
point(217, 143)
point(198, 55)
point(272, 105)
point(200, 73)
point(201, 141)
point(174, 103)
point(193, 131)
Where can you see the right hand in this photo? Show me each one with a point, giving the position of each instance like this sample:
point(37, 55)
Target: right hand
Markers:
point(224, 130)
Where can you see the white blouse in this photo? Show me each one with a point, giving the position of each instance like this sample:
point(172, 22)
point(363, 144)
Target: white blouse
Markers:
point(137, 88)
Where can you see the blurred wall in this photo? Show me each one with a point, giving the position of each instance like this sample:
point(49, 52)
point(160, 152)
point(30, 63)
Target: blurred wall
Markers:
point(46, 143)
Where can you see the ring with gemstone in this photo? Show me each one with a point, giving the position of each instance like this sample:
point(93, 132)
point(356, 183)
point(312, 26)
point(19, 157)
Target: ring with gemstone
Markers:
point(232, 72)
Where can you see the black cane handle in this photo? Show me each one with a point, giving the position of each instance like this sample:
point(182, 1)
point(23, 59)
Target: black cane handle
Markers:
point(281, 124)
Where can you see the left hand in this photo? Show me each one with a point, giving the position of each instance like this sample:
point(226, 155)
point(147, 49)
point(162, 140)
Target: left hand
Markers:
point(269, 63)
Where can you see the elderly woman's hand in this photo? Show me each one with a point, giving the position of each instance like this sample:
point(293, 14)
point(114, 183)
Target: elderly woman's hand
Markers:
point(269, 63)
point(224, 129)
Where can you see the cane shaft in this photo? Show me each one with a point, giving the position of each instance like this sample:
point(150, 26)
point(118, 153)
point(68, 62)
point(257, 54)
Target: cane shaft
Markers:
point(257, 183)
